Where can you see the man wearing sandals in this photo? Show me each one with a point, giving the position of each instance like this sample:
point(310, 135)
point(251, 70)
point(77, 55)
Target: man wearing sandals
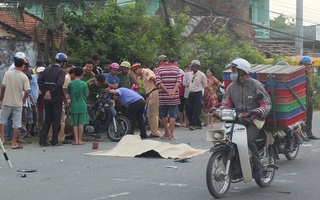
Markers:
point(168, 79)
point(14, 82)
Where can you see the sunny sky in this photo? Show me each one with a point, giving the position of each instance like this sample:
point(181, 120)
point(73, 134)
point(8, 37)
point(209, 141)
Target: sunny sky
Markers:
point(311, 12)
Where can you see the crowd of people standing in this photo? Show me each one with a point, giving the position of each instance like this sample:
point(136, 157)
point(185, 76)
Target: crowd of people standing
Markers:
point(166, 94)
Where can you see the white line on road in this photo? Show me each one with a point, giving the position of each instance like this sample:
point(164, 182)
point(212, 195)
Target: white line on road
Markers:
point(112, 196)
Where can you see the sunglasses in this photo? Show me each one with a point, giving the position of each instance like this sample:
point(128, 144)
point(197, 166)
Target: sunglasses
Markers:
point(192, 79)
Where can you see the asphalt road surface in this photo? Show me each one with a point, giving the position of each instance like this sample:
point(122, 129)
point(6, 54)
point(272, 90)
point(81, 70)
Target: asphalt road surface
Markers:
point(64, 173)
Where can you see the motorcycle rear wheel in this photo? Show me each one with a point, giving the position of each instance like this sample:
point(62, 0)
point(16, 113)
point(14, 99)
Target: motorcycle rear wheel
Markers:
point(266, 181)
point(123, 128)
point(292, 155)
point(218, 184)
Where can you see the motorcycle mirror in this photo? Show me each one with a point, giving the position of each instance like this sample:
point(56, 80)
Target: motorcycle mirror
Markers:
point(258, 97)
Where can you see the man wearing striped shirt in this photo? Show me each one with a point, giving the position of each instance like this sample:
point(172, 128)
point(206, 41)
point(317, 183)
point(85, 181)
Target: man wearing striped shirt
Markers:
point(168, 79)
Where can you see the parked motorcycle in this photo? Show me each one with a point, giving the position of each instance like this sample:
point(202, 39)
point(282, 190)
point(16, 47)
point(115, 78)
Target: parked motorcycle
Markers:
point(103, 117)
point(230, 161)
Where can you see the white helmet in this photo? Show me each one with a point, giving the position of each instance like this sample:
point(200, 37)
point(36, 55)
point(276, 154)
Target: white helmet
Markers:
point(240, 63)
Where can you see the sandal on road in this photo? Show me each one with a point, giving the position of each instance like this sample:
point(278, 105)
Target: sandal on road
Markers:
point(17, 147)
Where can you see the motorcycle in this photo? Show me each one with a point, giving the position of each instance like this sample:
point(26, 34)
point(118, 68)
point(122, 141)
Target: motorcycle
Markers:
point(288, 141)
point(103, 117)
point(230, 161)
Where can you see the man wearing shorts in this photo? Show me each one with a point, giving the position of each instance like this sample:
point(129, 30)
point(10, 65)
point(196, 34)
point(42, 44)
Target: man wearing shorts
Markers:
point(14, 82)
point(168, 79)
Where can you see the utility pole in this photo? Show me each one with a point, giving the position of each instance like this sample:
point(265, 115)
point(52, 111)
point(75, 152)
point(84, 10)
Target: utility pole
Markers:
point(169, 25)
point(299, 28)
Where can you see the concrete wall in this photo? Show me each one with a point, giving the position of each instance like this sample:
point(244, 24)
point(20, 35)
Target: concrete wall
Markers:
point(7, 49)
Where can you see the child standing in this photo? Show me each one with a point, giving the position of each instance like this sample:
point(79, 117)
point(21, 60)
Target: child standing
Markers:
point(78, 91)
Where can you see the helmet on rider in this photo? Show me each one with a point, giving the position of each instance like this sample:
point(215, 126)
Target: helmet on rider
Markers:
point(19, 54)
point(61, 57)
point(241, 64)
point(305, 60)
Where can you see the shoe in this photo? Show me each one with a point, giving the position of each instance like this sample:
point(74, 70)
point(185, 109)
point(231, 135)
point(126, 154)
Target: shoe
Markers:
point(312, 137)
point(144, 136)
point(198, 127)
point(192, 128)
point(44, 144)
point(57, 144)
point(66, 142)
point(153, 136)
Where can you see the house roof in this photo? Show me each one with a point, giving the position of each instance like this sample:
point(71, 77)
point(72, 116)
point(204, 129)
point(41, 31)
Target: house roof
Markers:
point(20, 25)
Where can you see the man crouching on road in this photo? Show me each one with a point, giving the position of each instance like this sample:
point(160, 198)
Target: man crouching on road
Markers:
point(134, 104)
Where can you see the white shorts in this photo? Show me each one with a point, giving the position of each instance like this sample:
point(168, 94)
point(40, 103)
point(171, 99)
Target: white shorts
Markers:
point(16, 113)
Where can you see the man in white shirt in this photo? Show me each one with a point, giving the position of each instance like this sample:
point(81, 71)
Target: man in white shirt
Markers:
point(197, 81)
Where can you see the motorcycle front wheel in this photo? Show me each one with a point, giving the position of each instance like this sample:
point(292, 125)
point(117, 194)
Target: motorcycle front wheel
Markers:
point(218, 182)
point(116, 131)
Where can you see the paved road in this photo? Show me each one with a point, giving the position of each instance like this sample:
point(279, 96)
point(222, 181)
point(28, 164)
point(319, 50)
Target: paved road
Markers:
point(64, 173)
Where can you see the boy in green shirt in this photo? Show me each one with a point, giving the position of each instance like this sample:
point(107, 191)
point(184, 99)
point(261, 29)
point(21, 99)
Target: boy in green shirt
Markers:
point(78, 91)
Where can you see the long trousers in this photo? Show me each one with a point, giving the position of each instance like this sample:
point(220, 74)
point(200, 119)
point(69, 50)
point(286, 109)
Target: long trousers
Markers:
point(52, 116)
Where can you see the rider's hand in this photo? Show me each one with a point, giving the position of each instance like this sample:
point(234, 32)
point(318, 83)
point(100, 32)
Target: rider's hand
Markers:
point(256, 112)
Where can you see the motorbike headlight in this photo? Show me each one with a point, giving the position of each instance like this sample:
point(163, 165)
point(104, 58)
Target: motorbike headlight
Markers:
point(228, 115)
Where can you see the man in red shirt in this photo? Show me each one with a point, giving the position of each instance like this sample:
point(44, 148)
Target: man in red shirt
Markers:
point(168, 79)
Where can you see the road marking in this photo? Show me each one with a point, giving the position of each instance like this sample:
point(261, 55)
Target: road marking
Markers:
point(112, 196)
point(154, 183)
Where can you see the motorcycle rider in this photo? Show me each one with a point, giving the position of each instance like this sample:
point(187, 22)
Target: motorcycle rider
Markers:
point(239, 95)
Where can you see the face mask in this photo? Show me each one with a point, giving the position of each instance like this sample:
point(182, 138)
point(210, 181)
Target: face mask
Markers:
point(234, 77)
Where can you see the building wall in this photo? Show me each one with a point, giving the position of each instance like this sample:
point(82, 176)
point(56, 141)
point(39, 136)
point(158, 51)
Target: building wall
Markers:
point(7, 49)
point(260, 15)
point(237, 8)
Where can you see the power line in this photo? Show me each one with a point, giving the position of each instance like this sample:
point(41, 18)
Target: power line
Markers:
point(243, 21)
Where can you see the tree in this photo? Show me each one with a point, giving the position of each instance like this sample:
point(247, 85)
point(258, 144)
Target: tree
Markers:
point(121, 32)
point(282, 22)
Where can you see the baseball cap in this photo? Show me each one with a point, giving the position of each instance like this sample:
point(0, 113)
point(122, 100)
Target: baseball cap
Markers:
point(195, 63)
point(125, 64)
point(162, 58)
point(40, 69)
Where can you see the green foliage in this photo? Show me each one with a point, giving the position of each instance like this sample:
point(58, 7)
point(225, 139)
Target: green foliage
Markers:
point(216, 51)
point(316, 86)
point(119, 33)
point(282, 22)
point(125, 33)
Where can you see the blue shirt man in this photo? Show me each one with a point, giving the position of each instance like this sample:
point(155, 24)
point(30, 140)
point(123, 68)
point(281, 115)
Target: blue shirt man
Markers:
point(127, 96)
point(112, 81)
point(134, 104)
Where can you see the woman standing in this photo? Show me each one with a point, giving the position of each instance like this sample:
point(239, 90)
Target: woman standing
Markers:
point(210, 95)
